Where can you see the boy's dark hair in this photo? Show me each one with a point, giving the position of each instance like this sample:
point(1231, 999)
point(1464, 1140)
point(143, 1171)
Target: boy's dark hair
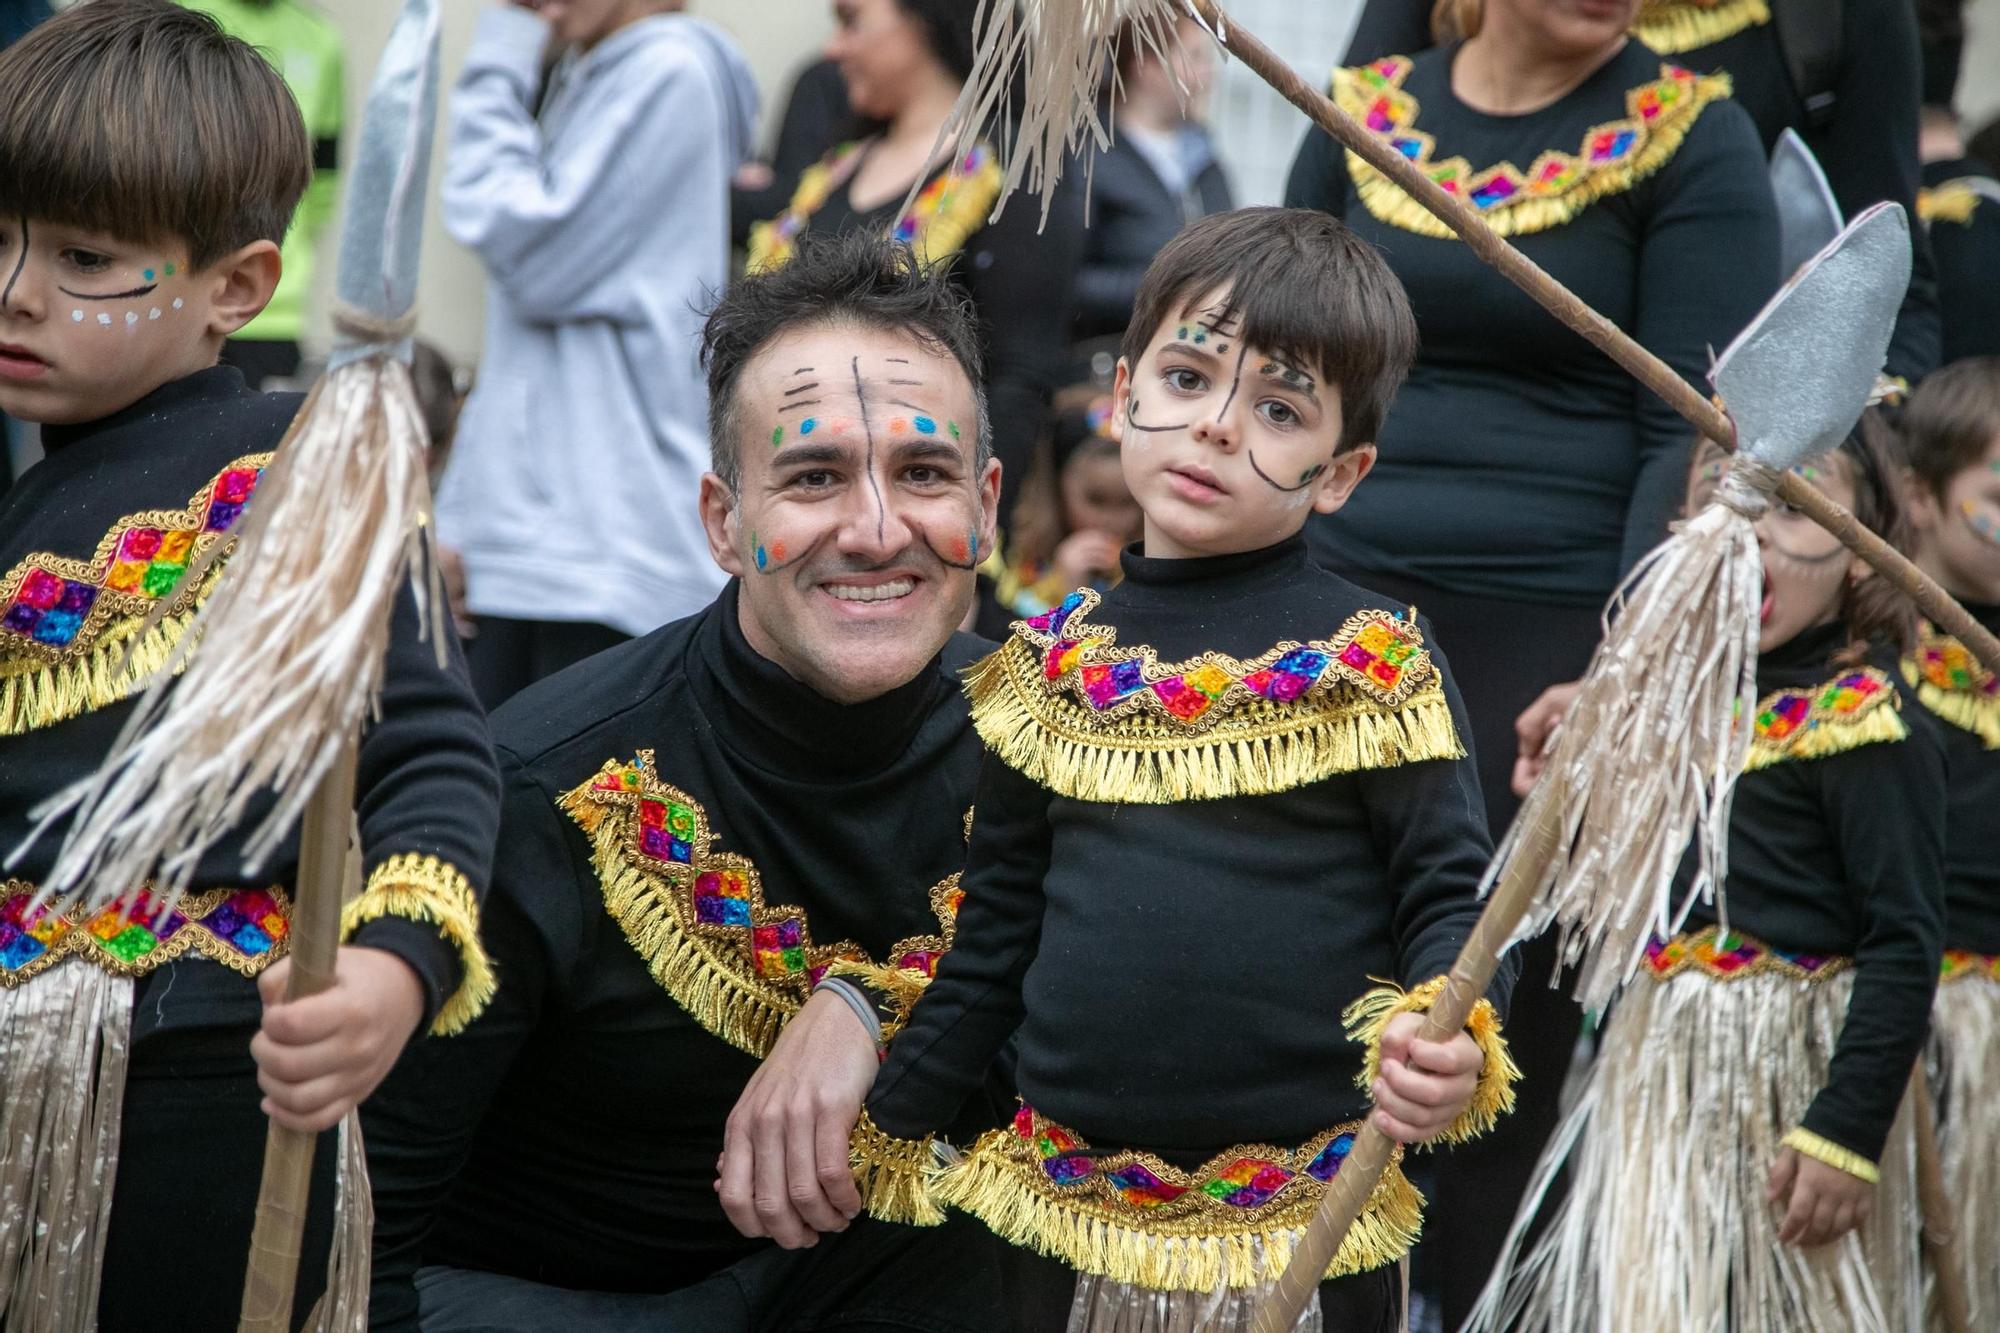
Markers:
point(854, 277)
point(146, 121)
point(1301, 286)
point(1876, 612)
point(1951, 419)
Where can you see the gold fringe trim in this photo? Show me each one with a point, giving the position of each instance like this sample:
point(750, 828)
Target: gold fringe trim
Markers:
point(431, 892)
point(1832, 1154)
point(1670, 27)
point(1368, 1018)
point(894, 1175)
point(1975, 713)
point(1521, 214)
point(115, 666)
point(1004, 1193)
point(1952, 201)
point(1874, 727)
point(1141, 765)
point(899, 988)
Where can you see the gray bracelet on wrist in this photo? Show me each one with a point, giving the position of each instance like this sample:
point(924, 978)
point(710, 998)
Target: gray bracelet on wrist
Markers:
point(858, 1001)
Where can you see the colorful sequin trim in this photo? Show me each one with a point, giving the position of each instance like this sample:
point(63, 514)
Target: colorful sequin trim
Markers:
point(952, 206)
point(243, 929)
point(1856, 708)
point(1556, 187)
point(1670, 27)
point(1724, 955)
point(1951, 683)
point(58, 607)
point(739, 964)
point(1961, 964)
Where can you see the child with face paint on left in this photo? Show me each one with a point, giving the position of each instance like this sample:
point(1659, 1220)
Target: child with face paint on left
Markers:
point(1741, 1155)
point(1227, 807)
point(149, 165)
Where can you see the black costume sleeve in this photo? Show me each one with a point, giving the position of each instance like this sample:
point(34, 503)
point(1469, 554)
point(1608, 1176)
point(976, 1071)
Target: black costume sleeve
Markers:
point(1708, 260)
point(1968, 258)
point(421, 1123)
point(1390, 28)
point(974, 1003)
point(1886, 805)
point(426, 787)
point(816, 115)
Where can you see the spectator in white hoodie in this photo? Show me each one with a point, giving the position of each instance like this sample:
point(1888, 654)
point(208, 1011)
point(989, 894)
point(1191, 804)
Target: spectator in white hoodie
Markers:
point(599, 205)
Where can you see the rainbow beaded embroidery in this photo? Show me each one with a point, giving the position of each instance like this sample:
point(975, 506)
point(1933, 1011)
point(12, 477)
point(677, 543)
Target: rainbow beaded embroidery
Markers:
point(1724, 955)
point(1855, 708)
point(57, 608)
point(243, 929)
point(1554, 188)
point(1952, 684)
point(1962, 964)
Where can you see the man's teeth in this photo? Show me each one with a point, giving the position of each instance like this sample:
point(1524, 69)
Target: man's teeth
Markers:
point(874, 592)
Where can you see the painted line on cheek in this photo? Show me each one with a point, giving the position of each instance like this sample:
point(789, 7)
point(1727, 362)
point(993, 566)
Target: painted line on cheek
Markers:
point(1132, 419)
point(1306, 478)
point(868, 431)
point(20, 262)
point(134, 294)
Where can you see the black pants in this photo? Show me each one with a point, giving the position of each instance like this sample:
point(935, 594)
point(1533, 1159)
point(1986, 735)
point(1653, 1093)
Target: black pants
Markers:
point(1502, 655)
point(1039, 1290)
point(507, 656)
point(190, 1158)
point(262, 360)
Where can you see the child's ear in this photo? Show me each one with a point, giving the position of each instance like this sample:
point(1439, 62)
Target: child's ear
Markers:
point(1342, 475)
point(1922, 503)
point(244, 282)
point(1121, 396)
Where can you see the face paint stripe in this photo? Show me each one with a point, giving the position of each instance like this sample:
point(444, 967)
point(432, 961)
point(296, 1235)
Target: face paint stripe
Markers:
point(134, 294)
point(1307, 478)
point(20, 262)
point(868, 432)
point(801, 389)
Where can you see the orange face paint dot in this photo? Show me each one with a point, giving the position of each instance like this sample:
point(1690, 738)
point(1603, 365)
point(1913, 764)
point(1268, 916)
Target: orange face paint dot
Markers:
point(899, 425)
point(778, 551)
point(960, 551)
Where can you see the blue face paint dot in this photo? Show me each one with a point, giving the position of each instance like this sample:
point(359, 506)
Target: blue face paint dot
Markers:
point(149, 275)
point(924, 425)
point(806, 426)
point(762, 559)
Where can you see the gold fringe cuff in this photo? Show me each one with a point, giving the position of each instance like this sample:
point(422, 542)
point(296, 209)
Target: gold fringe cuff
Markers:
point(1015, 1198)
point(1368, 1018)
point(1832, 1154)
point(432, 892)
point(894, 1175)
point(898, 988)
point(1670, 27)
point(107, 674)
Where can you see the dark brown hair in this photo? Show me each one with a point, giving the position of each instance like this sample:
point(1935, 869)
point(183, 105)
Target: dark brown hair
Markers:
point(146, 121)
point(1303, 287)
point(1951, 419)
point(1876, 612)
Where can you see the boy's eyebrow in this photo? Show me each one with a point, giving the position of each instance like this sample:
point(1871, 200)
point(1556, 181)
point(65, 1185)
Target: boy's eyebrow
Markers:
point(1289, 375)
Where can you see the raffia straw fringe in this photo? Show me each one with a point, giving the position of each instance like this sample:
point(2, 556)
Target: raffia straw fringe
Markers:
point(1670, 27)
point(723, 1002)
point(991, 1187)
point(1368, 1018)
point(344, 1307)
point(291, 651)
point(1202, 768)
point(1648, 757)
point(1963, 709)
point(1965, 1062)
point(1664, 1225)
point(65, 1044)
point(1873, 727)
point(893, 1175)
point(431, 892)
point(106, 675)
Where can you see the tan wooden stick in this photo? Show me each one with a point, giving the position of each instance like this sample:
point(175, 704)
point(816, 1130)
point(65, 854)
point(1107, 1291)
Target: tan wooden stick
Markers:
point(288, 1153)
point(1613, 341)
point(1940, 1219)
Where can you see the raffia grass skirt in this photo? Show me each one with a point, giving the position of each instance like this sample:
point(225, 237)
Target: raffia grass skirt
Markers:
point(1965, 1082)
point(1665, 1228)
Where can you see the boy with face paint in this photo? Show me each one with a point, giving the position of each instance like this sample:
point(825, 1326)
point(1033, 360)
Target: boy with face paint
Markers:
point(729, 861)
point(135, 236)
point(1219, 799)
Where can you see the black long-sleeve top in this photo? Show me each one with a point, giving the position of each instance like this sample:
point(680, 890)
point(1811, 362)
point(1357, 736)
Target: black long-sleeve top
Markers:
point(1177, 972)
point(1518, 461)
point(1844, 855)
point(1133, 214)
point(425, 785)
point(570, 1136)
point(1867, 146)
point(1960, 692)
point(817, 114)
point(1962, 204)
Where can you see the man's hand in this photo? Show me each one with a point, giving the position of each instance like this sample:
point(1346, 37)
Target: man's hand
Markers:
point(1534, 729)
point(318, 1058)
point(784, 1168)
point(1425, 1085)
point(1822, 1203)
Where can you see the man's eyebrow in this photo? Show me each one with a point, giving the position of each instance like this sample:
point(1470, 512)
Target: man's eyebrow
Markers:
point(797, 455)
point(921, 447)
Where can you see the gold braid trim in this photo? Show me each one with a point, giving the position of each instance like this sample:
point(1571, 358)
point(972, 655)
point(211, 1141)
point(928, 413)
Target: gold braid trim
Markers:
point(1951, 683)
point(245, 930)
point(1196, 1242)
point(894, 1175)
point(1832, 1154)
point(1857, 708)
point(902, 981)
point(1368, 1018)
point(431, 892)
point(1670, 27)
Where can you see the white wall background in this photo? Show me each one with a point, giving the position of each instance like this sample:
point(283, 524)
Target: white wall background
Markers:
point(1258, 130)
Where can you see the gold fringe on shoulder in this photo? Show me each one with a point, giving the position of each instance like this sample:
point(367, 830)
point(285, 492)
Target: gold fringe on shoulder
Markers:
point(1951, 683)
point(1368, 1018)
point(431, 892)
point(1832, 1154)
point(1673, 26)
point(894, 1175)
point(1952, 201)
point(1857, 708)
point(1978, 714)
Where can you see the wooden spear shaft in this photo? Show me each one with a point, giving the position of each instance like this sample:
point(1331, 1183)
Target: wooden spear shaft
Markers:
point(1940, 1220)
point(1614, 342)
point(288, 1153)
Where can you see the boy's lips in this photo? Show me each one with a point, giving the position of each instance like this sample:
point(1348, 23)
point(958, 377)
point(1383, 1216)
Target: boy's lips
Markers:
point(1193, 482)
point(18, 363)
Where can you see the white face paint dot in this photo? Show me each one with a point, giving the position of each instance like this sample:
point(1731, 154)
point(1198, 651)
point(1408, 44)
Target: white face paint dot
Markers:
point(154, 313)
point(131, 318)
point(76, 315)
point(177, 303)
point(105, 320)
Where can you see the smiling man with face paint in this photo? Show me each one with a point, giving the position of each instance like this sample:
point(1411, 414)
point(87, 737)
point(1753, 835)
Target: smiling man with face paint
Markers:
point(729, 862)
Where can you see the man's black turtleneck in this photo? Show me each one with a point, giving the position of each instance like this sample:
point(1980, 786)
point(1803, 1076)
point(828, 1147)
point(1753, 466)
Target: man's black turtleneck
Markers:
point(1177, 972)
point(1844, 855)
point(570, 1137)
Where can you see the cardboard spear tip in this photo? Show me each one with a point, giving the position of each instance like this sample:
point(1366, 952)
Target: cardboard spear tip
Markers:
point(1809, 217)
